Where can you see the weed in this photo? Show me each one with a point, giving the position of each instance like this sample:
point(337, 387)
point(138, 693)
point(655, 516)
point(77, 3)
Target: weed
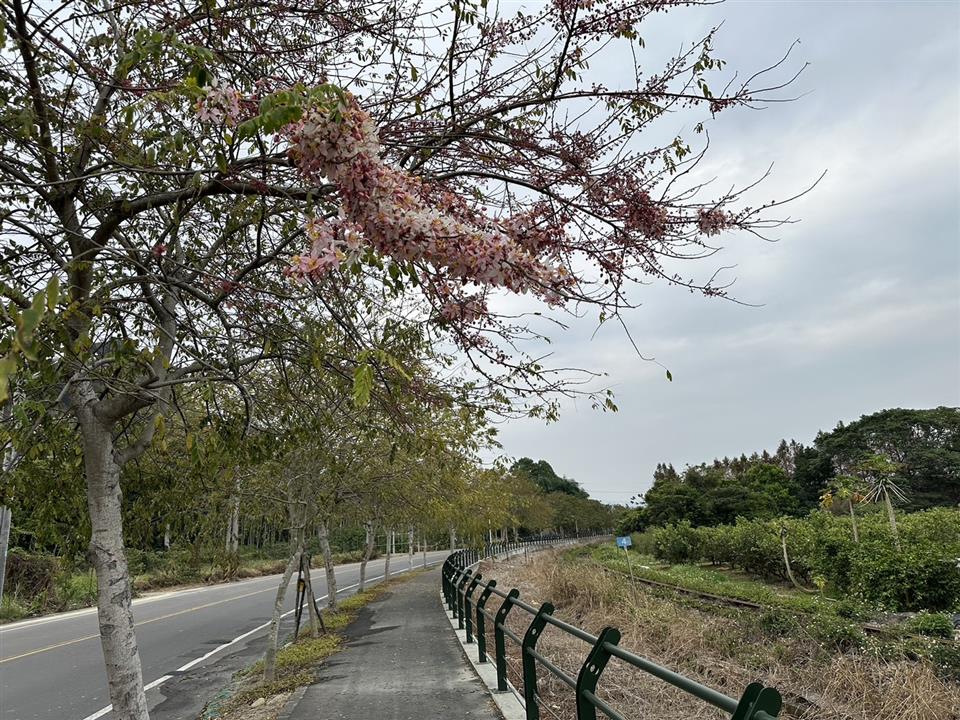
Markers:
point(932, 624)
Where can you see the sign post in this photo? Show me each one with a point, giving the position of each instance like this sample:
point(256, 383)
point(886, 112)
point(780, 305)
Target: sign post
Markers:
point(624, 541)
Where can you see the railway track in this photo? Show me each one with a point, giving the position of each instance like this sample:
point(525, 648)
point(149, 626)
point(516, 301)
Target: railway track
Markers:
point(723, 600)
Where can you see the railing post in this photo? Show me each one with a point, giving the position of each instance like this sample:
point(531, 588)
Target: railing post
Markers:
point(482, 621)
point(498, 638)
point(454, 578)
point(460, 586)
point(445, 572)
point(590, 672)
point(534, 631)
point(467, 612)
point(757, 698)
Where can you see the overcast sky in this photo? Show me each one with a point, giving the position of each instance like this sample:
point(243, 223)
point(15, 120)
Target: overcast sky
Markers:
point(860, 301)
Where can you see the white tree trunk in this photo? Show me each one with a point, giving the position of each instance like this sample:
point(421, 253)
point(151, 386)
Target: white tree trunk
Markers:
point(368, 547)
point(386, 561)
point(410, 548)
point(453, 538)
point(323, 532)
point(108, 556)
point(233, 525)
point(273, 635)
point(892, 518)
point(853, 519)
point(166, 536)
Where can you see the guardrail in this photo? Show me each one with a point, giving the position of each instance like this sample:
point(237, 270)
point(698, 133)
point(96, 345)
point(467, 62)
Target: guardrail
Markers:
point(467, 595)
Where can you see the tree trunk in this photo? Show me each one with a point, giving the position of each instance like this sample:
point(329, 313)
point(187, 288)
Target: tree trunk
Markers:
point(853, 519)
point(233, 525)
point(891, 516)
point(273, 635)
point(323, 532)
point(166, 536)
point(367, 553)
point(453, 538)
point(786, 562)
point(386, 561)
point(5, 520)
point(108, 557)
point(410, 548)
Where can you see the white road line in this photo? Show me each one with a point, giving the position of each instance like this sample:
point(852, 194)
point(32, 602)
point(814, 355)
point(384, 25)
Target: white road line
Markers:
point(160, 681)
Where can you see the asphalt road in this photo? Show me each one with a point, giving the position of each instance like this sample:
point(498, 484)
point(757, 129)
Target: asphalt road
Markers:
point(191, 642)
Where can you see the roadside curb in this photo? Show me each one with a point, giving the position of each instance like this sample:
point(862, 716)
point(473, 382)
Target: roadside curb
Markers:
point(507, 701)
point(292, 702)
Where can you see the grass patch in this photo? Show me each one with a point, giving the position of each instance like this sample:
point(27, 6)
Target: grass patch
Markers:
point(12, 608)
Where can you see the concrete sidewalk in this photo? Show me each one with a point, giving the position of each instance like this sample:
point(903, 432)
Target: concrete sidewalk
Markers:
point(402, 661)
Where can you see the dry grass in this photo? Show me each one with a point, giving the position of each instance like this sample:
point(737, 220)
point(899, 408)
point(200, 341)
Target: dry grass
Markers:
point(722, 648)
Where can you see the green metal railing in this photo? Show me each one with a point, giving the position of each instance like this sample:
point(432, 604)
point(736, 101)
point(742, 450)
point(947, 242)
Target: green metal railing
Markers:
point(467, 594)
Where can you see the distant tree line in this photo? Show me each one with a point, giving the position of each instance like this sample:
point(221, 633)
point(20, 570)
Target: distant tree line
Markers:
point(569, 506)
point(923, 446)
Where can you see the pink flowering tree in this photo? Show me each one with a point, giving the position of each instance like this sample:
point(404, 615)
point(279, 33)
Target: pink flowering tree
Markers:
point(202, 178)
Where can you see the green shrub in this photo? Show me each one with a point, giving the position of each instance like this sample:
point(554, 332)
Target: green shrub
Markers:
point(30, 575)
point(678, 543)
point(77, 590)
point(946, 658)
point(923, 574)
point(644, 542)
point(839, 633)
point(917, 577)
point(12, 608)
point(777, 623)
point(932, 624)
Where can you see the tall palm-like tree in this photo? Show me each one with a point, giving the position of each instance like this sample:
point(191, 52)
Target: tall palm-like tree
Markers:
point(880, 473)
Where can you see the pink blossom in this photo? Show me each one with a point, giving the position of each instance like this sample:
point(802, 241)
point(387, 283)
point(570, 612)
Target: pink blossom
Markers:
point(407, 219)
point(220, 104)
point(712, 221)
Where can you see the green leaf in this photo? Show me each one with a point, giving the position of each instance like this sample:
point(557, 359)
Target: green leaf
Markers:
point(53, 293)
point(669, 376)
point(200, 75)
point(362, 385)
point(8, 366)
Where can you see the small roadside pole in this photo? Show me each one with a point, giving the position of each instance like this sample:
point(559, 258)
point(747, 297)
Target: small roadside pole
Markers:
point(624, 541)
point(5, 514)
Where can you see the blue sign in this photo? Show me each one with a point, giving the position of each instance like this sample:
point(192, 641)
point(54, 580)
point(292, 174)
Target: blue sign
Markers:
point(624, 542)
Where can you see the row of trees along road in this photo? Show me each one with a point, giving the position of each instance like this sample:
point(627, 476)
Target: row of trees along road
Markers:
point(229, 215)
